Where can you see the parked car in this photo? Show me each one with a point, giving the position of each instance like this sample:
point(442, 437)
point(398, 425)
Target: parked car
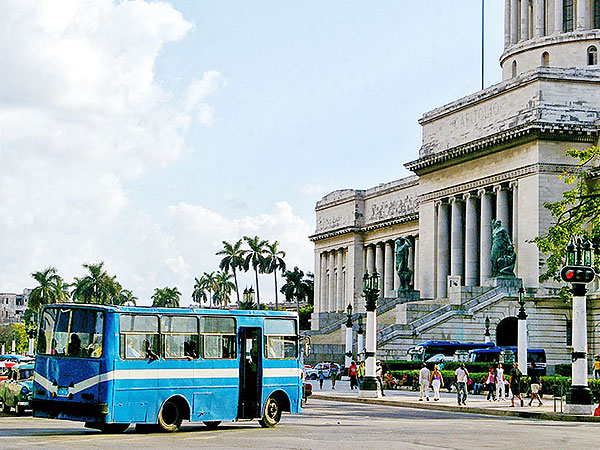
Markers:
point(4, 369)
point(15, 391)
point(325, 367)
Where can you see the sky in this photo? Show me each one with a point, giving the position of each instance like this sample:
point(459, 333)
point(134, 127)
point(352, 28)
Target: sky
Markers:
point(144, 133)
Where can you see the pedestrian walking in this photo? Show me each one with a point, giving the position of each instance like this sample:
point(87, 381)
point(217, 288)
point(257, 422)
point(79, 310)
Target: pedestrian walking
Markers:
point(462, 377)
point(437, 382)
point(490, 383)
point(361, 373)
point(353, 372)
point(321, 379)
point(515, 384)
point(597, 368)
point(535, 386)
point(334, 373)
point(500, 383)
point(379, 376)
point(424, 377)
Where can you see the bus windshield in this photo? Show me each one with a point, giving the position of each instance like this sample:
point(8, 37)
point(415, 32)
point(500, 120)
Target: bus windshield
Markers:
point(71, 332)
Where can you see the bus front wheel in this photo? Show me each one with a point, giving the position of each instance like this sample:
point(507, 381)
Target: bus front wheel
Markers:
point(272, 413)
point(169, 417)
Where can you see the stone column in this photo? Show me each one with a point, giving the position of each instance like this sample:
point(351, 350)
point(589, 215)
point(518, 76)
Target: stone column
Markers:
point(471, 241)
point(443, 249)
point(396, 277)
point(411, 257)
point(317, 292)
point(379, 264)
point(388, 280)
point(502, 212)
point(370, 259)
point(331, 282)
point(581, 14)
point(324, 280)
point(539, 18)
point(416, 266)
point(515, 217)
point(524, 20)
point(558, 16)
point(485, 239)
point(341, 294)
point(506, 23)
point(457, 239)
point(514, 21)
point(355, 269)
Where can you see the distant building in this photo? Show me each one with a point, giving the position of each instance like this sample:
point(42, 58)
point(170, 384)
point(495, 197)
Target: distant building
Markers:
point(496, 154)
point(13, 306)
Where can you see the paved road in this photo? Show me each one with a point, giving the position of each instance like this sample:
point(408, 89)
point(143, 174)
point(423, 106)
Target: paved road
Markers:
point(323, 425)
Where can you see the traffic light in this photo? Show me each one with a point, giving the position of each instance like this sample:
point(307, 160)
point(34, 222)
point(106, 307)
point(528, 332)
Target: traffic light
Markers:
point(577, 274)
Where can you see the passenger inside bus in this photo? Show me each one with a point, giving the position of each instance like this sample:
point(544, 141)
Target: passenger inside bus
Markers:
point(74, 348)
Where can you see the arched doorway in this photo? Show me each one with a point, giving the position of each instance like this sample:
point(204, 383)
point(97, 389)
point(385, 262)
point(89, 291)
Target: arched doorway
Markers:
point(506, 332)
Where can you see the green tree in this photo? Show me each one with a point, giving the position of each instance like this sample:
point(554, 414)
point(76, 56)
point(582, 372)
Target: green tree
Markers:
point(20, 334)
point(126, 298)
point(255, 258)
point(166, 297)
point(223, 288)
point(233, 259)
point(297, 286)
point(576, 214)
point(199, 293)
point(304, 317)
point(273, 262)
point(97, 287)
point(49, 289)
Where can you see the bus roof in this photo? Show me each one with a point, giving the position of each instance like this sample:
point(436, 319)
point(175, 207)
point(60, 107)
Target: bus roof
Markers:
point(455, 343)
point(499, 349)
point(180, 310)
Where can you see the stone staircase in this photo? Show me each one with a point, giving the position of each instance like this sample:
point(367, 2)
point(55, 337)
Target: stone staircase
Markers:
point(462, 301)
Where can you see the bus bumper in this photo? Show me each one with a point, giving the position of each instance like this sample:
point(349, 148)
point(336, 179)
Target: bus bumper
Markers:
point(69, 410)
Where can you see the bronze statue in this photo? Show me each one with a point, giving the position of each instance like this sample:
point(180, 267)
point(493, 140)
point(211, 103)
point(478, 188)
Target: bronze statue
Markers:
point(404, 272)
point(503, 256)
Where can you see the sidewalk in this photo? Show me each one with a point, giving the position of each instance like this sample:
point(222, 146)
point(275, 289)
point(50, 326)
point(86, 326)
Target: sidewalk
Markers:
point(476, 404)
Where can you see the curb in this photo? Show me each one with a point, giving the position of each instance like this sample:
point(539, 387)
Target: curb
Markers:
point(465, 409)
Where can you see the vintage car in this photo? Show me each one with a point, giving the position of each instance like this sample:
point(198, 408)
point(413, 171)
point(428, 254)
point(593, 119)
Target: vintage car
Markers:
point(15, 391)
point(325, 367)
point(4, 369)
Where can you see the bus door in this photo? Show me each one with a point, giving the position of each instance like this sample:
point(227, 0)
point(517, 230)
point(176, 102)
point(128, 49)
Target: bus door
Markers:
point(250, 373)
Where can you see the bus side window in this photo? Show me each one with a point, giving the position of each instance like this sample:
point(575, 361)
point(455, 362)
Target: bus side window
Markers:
point(180, 337)
point(217, 338)
point(281, 340)
point(139, 336)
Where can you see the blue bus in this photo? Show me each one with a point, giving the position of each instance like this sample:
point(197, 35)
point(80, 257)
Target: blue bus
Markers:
point(536, 357)
point(154, 367)
point(428, 349)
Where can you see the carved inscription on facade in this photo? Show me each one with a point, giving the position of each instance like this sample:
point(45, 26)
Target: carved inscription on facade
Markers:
point(392, 209)
point(477, 117)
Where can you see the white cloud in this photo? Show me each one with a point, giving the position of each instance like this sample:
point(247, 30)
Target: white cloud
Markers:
point(81, 115)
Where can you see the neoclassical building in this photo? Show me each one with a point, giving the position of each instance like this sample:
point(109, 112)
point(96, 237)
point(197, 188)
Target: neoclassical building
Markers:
point(494, 155)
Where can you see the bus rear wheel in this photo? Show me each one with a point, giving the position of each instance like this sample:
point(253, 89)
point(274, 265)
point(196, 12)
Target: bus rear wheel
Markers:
point(212, 424)
point(169, 417)
point(272, 413)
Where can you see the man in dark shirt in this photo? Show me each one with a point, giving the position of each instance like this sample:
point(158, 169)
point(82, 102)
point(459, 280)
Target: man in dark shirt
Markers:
point(534, 383)
point(515, 385)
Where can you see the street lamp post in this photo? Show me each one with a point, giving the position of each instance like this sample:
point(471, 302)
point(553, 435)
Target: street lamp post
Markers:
point(579, 272)
point(14, 344)
point(369, 387)
point(487, 335)
point(348, 358)
point(360, 333)
point(3, 349)
point(522, 333)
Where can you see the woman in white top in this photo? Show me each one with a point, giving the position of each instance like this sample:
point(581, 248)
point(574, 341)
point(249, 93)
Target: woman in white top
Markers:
point(500, 383)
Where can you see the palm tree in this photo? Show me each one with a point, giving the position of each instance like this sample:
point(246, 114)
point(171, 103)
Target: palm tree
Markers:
point(296, 286)
point(49, 289)
point(199, 293)
point(234, 259)
point(166, 297)
point(224, 286)
point(274, 262)
point(126, 298)
point(255, 257)
point(204, 288)
point(97, 287)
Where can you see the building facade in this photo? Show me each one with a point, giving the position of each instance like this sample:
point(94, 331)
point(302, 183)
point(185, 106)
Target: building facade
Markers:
point(493, 155)
point(13, 306)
